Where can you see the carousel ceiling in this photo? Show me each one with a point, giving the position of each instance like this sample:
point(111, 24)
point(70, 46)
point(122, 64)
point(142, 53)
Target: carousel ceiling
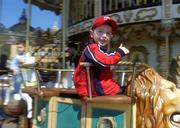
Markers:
point(52, 5)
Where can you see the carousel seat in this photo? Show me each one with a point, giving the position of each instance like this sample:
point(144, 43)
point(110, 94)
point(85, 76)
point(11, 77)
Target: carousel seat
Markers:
point(116, 99)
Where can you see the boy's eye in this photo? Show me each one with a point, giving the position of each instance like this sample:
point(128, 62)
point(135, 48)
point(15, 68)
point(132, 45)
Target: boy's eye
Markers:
point(109, 34)
point(100, 31)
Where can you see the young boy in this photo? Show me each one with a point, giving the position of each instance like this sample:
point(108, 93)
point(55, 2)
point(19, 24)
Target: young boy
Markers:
point(97, 54)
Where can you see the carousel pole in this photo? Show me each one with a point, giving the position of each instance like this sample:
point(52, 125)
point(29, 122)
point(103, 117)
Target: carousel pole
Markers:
point(167, 25)
point(33, 121)
point(27, 25)
point(1, 7)
point(63, 35)
point(65, 15)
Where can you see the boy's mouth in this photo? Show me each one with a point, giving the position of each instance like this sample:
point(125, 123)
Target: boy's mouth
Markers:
point(102, 43)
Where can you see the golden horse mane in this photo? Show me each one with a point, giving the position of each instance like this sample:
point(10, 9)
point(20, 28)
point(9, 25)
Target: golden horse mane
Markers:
point(147, 86)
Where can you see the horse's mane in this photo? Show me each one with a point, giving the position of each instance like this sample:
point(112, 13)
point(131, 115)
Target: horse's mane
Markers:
point(147, 81)
point(147, 85)
point(174, 70)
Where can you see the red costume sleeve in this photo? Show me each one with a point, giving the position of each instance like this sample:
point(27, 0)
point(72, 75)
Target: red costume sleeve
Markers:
point(97, 55)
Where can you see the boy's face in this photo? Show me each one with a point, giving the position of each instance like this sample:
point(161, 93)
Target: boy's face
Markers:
point(102, 34)
point(20, 48)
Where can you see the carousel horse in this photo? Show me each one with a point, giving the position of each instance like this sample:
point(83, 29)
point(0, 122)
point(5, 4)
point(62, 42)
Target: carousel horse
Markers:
point(157, 100)
point(13, 114)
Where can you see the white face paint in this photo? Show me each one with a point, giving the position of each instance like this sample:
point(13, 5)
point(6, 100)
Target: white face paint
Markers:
point(102, 34)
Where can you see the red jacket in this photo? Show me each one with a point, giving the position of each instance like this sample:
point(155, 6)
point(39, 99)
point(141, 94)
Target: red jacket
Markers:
point(100, 73)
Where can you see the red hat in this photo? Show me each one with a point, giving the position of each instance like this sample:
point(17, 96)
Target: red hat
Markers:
point(102, 20)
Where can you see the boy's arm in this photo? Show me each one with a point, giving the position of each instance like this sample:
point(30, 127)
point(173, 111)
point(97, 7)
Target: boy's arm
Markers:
point(95, 55)
point(14, 65)
point(29, 59)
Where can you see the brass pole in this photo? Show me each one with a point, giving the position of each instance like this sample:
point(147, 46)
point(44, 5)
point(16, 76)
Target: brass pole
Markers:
point(87, 66)
point(28, 25)
point(89, 82)
point(167, 54)
point(63, 32)
point(1, 8)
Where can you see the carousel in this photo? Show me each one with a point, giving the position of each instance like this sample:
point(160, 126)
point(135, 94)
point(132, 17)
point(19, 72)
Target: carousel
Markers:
point(150, 73)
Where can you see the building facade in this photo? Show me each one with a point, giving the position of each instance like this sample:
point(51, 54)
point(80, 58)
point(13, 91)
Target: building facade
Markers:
point(149, 28)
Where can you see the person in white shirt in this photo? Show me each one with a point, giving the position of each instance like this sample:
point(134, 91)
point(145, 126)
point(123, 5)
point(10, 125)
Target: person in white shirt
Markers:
point(21, 58)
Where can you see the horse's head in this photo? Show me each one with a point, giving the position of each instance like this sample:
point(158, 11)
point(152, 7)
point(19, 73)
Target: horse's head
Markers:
point(158, 101)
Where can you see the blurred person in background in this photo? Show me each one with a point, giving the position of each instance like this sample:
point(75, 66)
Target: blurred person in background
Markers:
point(21, 58)
point(3, 64)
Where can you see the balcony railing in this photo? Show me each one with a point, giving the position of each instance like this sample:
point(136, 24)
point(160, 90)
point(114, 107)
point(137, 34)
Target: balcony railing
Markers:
point(110, 6)
point(81, 10)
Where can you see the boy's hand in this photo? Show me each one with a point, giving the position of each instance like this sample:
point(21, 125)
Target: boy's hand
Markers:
point(22, 62)
point(125, 50)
